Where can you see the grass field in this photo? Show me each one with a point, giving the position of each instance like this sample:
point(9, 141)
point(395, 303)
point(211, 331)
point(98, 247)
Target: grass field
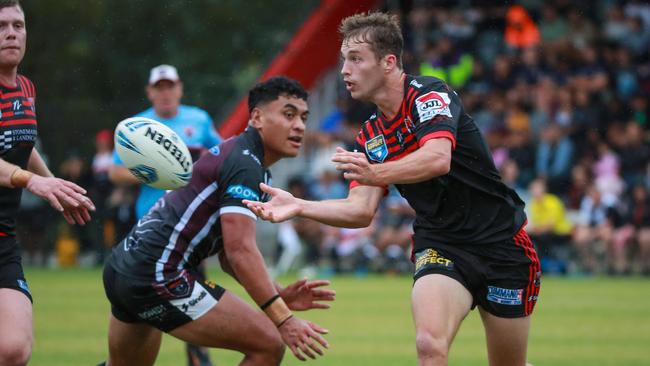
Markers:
point(578, 321)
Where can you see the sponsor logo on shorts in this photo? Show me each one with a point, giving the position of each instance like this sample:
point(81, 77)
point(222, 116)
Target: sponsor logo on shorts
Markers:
point(210, 284)
point(179, 287)
point(155, 312)
point(242, 192)
point(186, 306)
point(505, 296)
point(23, 285)
point(429, 259)
point(197, 304)
point(377, 149)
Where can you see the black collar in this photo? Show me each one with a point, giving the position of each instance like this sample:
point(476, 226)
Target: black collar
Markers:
point(254, 141)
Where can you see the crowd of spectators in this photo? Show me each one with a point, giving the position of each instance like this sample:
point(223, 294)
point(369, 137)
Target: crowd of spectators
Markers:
point(560, 91)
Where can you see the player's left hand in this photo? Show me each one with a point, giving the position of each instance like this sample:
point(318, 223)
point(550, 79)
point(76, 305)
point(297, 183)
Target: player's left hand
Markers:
point(355, 166)
point(305, 295)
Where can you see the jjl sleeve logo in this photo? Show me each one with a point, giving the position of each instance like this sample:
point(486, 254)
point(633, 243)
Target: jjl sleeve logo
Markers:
point(433, 104)
point(377, 149)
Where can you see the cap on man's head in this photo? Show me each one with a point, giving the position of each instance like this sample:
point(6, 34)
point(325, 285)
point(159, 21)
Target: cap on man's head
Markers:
point(163, 72)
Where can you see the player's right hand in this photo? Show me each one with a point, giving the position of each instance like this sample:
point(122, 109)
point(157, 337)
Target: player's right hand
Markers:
point(63, 196)
point(282, 206)
point(303, 338)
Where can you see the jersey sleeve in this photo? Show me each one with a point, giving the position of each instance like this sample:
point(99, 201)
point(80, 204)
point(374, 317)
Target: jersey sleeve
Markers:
point(436, 112)
point(241, 180)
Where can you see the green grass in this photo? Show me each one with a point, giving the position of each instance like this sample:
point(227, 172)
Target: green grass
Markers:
point(577, 321)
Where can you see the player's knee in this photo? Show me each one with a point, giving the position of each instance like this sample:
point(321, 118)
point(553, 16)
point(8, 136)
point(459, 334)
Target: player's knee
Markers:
point(271, 355)
point(275, 349)
point(15, 352)
point(269, 350)
point(431, 347)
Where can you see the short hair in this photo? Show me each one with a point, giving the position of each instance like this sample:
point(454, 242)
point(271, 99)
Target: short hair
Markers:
point(10, 4)
point(380, 30)
point(272, 89)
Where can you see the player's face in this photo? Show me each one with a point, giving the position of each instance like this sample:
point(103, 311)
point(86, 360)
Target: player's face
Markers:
point(281, 124)
point(13, 36)
point(361, 70)
point(165, 96)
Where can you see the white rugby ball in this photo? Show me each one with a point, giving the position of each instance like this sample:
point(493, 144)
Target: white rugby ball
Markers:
point(153, 153)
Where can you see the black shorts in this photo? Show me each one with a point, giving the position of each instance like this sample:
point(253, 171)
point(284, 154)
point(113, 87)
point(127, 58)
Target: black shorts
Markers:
point(504, 278)
point(11, 268)
point(164, 305)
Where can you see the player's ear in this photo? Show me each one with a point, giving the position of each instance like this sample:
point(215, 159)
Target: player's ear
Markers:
point(256, 118)
point(389, 62)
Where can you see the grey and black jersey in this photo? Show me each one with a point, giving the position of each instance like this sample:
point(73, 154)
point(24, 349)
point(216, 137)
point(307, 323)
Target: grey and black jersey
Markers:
point(184, 226)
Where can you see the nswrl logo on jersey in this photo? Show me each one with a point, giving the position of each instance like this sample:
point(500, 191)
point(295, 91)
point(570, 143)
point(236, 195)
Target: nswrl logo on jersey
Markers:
point(377, 149)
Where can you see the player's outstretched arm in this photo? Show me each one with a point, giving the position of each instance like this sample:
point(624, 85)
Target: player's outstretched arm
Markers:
point(302, 337)
point(65, 197)
point(300, 295)
point(355, 211)
point(431, 160)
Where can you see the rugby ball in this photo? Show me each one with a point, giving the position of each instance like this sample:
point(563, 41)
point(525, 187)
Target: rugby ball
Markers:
point(153, 153)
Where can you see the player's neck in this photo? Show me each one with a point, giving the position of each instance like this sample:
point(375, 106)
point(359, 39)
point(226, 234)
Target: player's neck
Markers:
point(389, 98)
point(8, 76)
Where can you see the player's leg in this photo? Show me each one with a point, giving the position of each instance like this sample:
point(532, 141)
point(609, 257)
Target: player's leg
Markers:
point(440, 303)
point(507, 339)
point(235, 325)
point(15, 327)
point(508, 297)
point(16, 335)
point(198, 356)
point(132, 344)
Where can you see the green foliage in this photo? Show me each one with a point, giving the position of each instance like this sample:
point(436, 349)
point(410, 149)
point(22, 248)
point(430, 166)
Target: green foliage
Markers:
point(593, 321)
point(90, 59)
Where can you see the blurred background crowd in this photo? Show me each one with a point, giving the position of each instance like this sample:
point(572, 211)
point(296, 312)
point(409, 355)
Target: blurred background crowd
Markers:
point(560, 91)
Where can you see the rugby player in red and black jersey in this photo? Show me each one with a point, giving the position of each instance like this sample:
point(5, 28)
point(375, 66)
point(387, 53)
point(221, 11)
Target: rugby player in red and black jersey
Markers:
point(152, 279)
point(470, 247)
point(22, 167)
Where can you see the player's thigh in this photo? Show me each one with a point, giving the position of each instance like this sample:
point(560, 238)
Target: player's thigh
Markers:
point(15, 323)
point(16, 335)
point(231, 324)
point(132, 343)
point(507, 339)
point(440, 303)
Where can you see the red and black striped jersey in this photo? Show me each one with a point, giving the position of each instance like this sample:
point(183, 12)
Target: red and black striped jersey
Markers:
point(17, 138)
point(470, 204)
